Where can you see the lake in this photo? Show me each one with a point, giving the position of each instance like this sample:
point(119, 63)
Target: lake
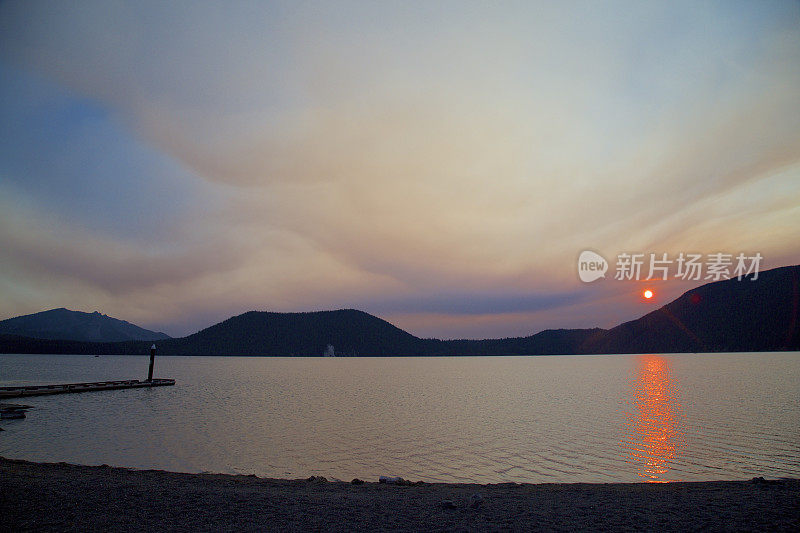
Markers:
point(616, 418)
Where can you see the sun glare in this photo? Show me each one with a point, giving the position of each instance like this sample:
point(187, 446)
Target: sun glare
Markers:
point(648, 294)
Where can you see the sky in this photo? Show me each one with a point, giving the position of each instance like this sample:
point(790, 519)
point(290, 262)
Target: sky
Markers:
point(438, 164)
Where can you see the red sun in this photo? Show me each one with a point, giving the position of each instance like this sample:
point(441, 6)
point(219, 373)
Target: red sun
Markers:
point(648, 294)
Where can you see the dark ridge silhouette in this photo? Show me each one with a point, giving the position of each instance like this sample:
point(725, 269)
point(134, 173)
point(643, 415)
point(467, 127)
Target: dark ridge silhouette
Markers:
point(63, 324)
point(547, 342)
point(19, 344)
point(350, 332)
point(724, 316)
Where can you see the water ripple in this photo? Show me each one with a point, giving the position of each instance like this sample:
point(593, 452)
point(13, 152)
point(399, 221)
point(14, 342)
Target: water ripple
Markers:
point(537, 419)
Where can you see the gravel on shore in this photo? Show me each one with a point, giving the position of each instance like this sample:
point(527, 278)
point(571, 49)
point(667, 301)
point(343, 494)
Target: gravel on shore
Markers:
point(65, 497)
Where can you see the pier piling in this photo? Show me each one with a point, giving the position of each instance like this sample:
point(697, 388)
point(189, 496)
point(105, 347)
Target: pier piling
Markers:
point(152, 360)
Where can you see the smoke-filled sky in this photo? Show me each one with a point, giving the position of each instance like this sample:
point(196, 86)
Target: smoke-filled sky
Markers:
point(438, 164)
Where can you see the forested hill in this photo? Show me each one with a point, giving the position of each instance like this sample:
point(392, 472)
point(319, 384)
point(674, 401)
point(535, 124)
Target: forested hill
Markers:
point(65, 324)
point(722, 316)
point(730, 315)
point(349, 332)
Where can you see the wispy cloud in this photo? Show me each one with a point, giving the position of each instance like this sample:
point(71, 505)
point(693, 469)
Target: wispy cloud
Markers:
point(439, 163)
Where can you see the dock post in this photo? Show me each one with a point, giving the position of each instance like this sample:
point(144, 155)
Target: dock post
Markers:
point(152, 360)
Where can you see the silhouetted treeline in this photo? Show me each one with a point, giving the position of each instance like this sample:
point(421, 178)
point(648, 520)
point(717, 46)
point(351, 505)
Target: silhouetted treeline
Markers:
point(731, 315)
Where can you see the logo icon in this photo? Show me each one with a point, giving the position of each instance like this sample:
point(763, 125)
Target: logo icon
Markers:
point(591, 266)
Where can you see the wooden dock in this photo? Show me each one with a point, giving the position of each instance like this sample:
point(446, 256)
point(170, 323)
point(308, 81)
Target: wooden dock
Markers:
point(40, 390)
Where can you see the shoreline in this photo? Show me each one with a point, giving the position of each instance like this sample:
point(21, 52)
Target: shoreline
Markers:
point(61, 496)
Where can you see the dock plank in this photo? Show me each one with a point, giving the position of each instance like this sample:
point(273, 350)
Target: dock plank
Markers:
point(41, 390)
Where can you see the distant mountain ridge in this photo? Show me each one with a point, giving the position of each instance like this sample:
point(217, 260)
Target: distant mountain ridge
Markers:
point(729, 315)
point(64, 324)
point(350, 332)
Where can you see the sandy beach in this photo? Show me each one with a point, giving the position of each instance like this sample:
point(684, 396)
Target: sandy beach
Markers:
point(65, 497)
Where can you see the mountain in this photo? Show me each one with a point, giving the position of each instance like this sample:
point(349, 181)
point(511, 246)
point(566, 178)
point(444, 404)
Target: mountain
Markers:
point(731, 315)
point(350, 332)
point(723, 316)
point(547, 342)
point(63, 324)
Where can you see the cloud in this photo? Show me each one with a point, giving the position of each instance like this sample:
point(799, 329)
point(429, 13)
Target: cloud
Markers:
point(445, 160)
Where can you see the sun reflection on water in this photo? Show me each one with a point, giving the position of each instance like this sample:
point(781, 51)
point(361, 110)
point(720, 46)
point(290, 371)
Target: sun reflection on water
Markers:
point(655, 426)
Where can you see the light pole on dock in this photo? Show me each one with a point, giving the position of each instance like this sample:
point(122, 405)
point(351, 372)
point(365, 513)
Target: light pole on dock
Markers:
point(152, 360)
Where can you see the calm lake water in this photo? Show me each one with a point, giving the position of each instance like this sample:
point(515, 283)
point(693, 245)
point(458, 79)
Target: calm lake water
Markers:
point(471, 419)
